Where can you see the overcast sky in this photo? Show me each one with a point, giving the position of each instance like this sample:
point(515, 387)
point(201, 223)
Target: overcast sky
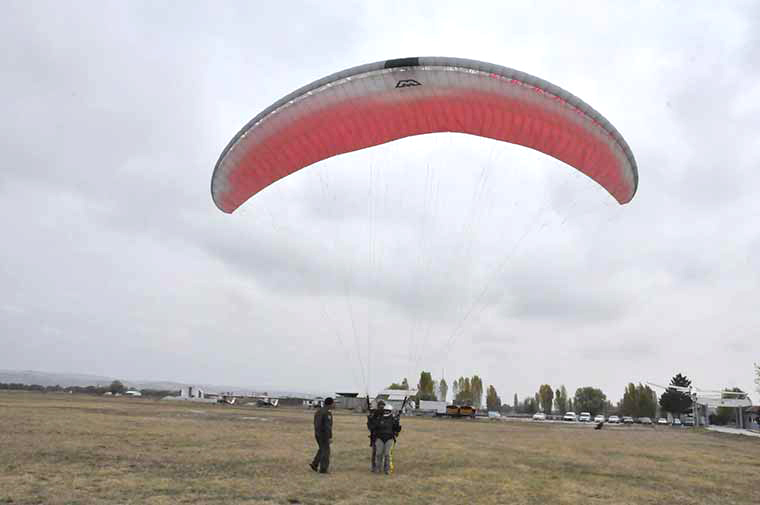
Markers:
point(443, 252)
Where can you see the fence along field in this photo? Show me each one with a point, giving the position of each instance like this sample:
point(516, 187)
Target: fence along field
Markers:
point(79, 449)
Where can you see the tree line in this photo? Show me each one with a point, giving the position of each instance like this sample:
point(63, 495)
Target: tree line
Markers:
point(639, 400)
point(465, 390)
point(116, 387)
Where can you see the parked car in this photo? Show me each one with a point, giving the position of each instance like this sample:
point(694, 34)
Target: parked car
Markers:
point(688, 421)
point(628, 420)
point(613, 420)
point(539, 416)
point(676, 422)
point(570, 416)
point(662, 420)
point(599, 419)
point(645, 420)
point(584, 417)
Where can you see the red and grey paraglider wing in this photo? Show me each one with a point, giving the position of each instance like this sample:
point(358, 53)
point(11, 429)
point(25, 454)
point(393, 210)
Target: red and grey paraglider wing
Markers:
point(380, 102)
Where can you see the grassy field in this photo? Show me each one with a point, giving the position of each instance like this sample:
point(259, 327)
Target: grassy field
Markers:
point(70, 449)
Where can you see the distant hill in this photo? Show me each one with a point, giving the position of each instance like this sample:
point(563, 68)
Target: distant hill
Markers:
point(76, 379)
point(53, 379)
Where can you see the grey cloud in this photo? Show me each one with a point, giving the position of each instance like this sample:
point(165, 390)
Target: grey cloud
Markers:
point(620, 351)
point(553, 288)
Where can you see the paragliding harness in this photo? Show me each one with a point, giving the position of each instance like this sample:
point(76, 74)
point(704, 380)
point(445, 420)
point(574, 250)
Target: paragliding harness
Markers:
point(398, 415)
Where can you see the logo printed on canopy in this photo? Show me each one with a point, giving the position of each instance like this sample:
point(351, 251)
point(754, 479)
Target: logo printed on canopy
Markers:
point(405, 83)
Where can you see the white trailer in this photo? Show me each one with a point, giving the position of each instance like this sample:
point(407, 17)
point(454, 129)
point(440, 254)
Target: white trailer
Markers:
point(431, 407)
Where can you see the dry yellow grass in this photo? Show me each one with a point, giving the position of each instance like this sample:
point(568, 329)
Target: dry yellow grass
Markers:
point(69, 449)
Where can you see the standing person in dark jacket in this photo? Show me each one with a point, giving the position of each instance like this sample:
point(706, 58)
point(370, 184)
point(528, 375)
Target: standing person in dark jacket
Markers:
point(387, 429)
point(323, 433)
point(372, 419)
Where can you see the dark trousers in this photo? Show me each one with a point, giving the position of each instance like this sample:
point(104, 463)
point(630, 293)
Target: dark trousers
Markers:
point(372, 460)
point(322, 458)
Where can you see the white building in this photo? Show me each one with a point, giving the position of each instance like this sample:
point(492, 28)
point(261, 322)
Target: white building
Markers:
point(192, 393)
point(396, 398)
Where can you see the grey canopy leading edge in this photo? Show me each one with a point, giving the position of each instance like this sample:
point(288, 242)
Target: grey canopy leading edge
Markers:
point(380, 102)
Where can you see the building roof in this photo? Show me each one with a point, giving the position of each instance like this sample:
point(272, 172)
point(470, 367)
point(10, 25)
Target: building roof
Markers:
point(396, 394)
point(402, 392)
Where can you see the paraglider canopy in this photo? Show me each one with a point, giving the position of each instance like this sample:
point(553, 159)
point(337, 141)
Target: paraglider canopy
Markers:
point(388, 100)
